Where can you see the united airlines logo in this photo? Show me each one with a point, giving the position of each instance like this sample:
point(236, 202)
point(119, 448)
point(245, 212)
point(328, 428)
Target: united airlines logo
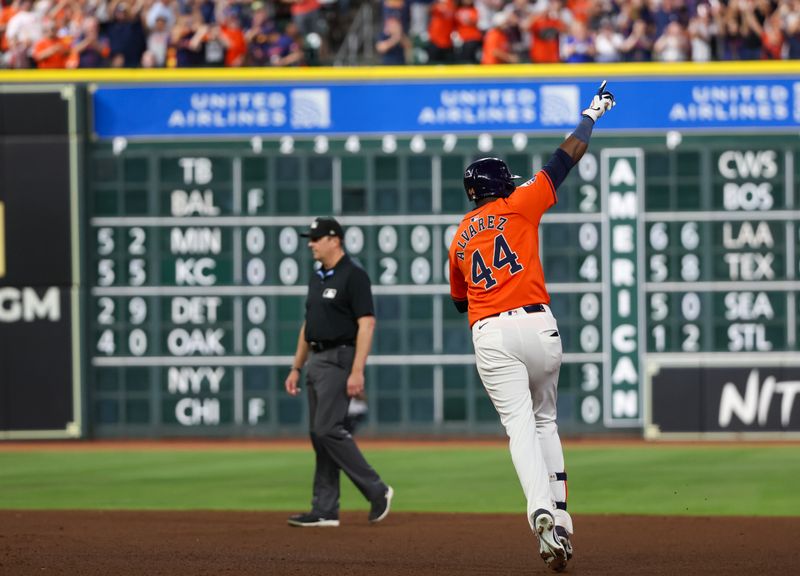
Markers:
point(311, 108)
point(559, 105)
point(2, 239)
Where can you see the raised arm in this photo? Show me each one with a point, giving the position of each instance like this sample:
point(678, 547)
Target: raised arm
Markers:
point(576, 144)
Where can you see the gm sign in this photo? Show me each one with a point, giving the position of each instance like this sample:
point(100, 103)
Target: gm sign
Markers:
point(26, 305)
point(40, 277)
point(726, 399)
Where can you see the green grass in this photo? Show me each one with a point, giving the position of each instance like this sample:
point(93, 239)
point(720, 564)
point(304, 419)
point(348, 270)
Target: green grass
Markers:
point(642, 479)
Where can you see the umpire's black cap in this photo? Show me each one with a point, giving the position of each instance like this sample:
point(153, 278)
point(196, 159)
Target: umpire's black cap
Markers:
point(322, 227)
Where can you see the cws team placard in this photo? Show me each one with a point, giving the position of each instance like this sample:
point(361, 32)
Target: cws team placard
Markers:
point(40, 365)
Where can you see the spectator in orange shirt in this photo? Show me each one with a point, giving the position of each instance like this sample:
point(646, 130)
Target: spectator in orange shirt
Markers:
point(582, 10)
point(440, 30)
point(6, 12)
point(772, 38)
point(546, 30)
point(468, 32)
point(496, 43)
point(237, 44)
point(50, 51)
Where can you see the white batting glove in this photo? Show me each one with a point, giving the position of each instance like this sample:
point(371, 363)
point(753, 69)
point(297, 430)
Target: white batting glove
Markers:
point(602, 102)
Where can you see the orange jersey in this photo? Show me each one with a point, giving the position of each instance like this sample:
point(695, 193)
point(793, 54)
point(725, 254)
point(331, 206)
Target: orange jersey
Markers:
point(237, 45)
point(495, 39)
point(545, 42)
point(467, 24)
point(442, 23)
point(55, 60)
point(494, 256)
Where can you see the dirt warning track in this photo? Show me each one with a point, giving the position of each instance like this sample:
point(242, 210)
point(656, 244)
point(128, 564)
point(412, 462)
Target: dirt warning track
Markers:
point(243, 543)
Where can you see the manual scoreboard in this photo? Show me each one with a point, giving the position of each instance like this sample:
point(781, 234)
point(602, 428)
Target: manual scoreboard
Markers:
point(658, 249)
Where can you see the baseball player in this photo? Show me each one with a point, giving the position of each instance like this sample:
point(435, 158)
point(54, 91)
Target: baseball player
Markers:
point(496, 276)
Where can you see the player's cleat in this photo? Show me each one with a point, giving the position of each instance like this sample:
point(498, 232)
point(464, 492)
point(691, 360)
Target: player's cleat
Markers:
point(312, 520)
point(380, 508)
point(563, 537)
point(551, 549)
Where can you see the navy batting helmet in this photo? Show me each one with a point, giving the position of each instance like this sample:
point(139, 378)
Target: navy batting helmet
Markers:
point(488, 177)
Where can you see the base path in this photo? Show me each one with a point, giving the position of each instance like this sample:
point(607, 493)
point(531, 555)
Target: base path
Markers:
point(244, 543)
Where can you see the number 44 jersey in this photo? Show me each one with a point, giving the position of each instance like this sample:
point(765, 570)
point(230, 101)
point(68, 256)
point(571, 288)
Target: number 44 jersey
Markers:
point(494, 256)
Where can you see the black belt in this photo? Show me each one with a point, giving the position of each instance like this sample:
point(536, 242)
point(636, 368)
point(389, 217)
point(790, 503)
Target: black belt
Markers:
point(322, 345)
point(529, 308)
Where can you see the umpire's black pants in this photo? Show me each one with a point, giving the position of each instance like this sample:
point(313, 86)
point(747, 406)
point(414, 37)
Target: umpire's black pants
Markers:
point(334, 446)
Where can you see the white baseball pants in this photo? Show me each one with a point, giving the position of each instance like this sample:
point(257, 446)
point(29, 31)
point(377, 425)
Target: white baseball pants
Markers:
point(518, 356)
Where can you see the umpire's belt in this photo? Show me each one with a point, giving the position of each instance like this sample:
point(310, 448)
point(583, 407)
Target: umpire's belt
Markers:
point(528, 309)
point(322, 345)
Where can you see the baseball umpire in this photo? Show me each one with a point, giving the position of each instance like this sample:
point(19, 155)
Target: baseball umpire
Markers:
point(335, 339)
point(496, 276)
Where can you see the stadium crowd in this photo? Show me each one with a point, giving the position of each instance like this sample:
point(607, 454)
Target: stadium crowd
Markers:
point(208, 33)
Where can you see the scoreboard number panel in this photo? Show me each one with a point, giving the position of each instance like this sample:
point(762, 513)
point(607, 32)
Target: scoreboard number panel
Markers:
point(198, 272)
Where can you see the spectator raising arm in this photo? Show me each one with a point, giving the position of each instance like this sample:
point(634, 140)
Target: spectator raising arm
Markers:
point(496, 44)
point(393, 43)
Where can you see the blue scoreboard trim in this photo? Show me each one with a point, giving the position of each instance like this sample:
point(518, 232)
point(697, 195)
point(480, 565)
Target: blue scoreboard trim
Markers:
point(367, 107)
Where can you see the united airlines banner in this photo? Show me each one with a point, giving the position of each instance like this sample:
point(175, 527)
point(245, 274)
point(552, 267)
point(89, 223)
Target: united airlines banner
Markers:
point(420, 107)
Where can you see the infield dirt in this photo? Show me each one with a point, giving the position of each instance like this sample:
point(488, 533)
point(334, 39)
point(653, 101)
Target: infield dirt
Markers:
point(243, 543)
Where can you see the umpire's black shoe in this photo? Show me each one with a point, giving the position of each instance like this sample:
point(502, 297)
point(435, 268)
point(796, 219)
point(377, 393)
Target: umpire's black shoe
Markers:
point(380, 507)
point(312, 520)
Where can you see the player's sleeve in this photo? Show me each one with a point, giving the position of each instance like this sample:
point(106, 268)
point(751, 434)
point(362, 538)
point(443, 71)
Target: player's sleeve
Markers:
point(458, 285)
point(535, 197)
point(558, 167)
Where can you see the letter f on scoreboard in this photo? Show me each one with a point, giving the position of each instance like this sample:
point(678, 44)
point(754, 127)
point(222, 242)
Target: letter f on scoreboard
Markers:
point(2, 239)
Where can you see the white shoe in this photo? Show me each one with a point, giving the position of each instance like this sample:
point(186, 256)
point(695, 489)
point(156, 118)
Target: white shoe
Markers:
point(563, 537)
point(551, 549)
